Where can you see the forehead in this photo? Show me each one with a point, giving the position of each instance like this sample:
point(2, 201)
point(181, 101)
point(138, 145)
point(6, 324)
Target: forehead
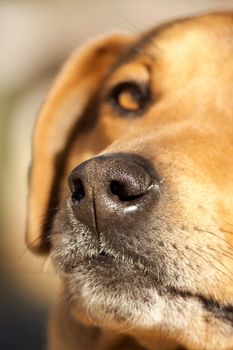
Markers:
point(206, 39)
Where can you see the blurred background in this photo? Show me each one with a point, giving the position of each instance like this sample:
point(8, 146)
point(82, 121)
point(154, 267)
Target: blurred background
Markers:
point(35, 38)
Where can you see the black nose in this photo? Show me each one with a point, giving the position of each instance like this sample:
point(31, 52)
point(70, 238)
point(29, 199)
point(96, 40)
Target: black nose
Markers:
point(111, 187)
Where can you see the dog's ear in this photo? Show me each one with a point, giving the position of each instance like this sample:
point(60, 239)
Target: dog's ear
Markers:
point(68, 101)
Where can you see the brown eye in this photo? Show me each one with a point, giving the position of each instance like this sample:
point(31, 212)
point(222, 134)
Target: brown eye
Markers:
point(129, 97)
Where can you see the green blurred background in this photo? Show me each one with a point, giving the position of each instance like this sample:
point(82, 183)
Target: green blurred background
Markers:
point(35, 38)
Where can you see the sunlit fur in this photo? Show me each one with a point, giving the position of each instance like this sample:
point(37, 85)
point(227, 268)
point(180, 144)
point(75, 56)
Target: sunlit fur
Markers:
point(168, 281)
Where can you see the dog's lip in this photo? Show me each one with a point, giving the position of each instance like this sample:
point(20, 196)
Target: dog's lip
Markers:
point(110, 255)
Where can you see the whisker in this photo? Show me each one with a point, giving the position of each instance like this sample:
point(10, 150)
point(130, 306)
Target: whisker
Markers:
point(31, 244)
point(215, 235)
point(45, 264)
point(226, 231)
point(10, 269)
point(127, 20)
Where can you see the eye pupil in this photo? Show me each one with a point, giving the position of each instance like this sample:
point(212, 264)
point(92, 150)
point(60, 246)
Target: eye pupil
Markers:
point(129, 100)
point(129, 97)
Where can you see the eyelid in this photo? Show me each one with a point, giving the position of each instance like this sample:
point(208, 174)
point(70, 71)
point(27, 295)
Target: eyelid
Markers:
point(135, 73)
point(141, 86)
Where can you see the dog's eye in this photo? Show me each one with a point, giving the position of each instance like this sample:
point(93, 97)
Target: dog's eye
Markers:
point(129, 97)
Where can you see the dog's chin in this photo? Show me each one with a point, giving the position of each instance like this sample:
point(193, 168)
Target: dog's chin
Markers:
point(118, 294)
point(113, 293)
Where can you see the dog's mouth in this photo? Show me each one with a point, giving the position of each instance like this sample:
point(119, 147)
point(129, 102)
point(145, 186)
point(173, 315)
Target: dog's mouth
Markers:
point(105, 253)
point(111, 257)
point(218, 310)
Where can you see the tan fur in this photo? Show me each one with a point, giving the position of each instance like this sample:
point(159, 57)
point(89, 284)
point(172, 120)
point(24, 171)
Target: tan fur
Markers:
point(187, 133)
point(69, 97)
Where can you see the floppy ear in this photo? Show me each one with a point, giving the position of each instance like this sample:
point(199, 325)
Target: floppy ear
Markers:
point(69, 98)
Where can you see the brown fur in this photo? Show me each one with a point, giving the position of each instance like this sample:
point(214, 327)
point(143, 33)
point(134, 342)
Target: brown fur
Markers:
point(186, 132)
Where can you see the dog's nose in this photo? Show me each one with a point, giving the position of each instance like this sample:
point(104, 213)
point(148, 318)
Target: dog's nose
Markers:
point(109, 187)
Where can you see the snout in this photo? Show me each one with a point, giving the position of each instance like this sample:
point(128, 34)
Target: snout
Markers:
point(106, 188)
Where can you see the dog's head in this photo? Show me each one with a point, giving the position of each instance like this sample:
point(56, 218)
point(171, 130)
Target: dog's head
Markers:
point(131, 183)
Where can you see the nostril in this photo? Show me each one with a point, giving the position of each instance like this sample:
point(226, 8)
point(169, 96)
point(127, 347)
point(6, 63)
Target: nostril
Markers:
point(120, 190)
point(78, 191)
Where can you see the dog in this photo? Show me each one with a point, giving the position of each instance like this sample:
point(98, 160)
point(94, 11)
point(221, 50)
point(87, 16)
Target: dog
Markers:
point(131, 189)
